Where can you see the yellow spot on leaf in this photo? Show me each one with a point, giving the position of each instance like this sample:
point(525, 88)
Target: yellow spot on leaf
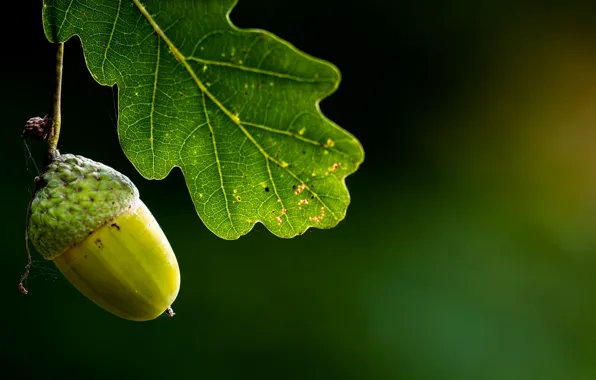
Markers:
point(300, 189)
point(318, 218)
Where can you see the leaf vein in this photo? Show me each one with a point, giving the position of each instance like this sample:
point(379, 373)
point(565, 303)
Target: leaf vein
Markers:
point(105, 54)
point(151, 114)
point(217, 160)
point(293, 135)
point(65, 17)
point(284, 211)
point(260, 71)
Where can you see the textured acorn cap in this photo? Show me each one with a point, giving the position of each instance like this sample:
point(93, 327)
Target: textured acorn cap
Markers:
point(76, 196)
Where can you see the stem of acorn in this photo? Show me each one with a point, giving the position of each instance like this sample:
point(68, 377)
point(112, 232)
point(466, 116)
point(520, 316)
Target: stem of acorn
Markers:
point(55, 117)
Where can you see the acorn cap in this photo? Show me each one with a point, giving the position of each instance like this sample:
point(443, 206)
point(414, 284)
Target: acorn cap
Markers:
point(76, 197)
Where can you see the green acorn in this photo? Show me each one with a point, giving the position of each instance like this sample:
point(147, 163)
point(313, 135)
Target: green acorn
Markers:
point(88, 219)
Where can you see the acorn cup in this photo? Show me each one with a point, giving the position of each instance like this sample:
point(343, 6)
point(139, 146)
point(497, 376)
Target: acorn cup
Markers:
point(88, 219)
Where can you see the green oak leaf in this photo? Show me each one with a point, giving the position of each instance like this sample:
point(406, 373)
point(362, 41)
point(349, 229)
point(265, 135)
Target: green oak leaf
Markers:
point(236, 109)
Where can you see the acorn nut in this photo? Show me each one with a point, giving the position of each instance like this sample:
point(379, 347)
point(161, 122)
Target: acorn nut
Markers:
point(88, 219)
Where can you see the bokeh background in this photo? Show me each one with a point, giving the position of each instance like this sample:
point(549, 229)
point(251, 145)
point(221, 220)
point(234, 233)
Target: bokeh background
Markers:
point(469, 249)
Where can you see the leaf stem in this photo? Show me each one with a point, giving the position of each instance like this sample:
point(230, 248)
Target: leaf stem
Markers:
point(55, 115)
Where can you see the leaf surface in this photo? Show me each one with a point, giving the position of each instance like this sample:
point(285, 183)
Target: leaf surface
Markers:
point(236, 109)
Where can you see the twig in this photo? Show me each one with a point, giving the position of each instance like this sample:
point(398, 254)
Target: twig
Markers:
point(55, 115)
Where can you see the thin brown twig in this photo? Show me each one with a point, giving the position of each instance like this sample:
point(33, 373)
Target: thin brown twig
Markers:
point(55, 113)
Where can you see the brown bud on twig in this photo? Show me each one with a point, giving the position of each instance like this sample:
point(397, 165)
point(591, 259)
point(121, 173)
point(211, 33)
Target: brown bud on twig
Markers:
point(37, 128)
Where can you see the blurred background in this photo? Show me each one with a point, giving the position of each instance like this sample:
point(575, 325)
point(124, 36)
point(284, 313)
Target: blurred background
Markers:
point(469, 249)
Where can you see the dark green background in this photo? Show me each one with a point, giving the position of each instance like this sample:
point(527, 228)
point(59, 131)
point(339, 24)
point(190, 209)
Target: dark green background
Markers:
point(469, 249)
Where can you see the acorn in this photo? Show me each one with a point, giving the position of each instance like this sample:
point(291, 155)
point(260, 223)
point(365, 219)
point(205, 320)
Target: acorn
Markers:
point(88, 218)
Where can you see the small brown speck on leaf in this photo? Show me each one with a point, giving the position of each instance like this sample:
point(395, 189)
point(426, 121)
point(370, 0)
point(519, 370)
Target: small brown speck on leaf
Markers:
point(116, 226)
